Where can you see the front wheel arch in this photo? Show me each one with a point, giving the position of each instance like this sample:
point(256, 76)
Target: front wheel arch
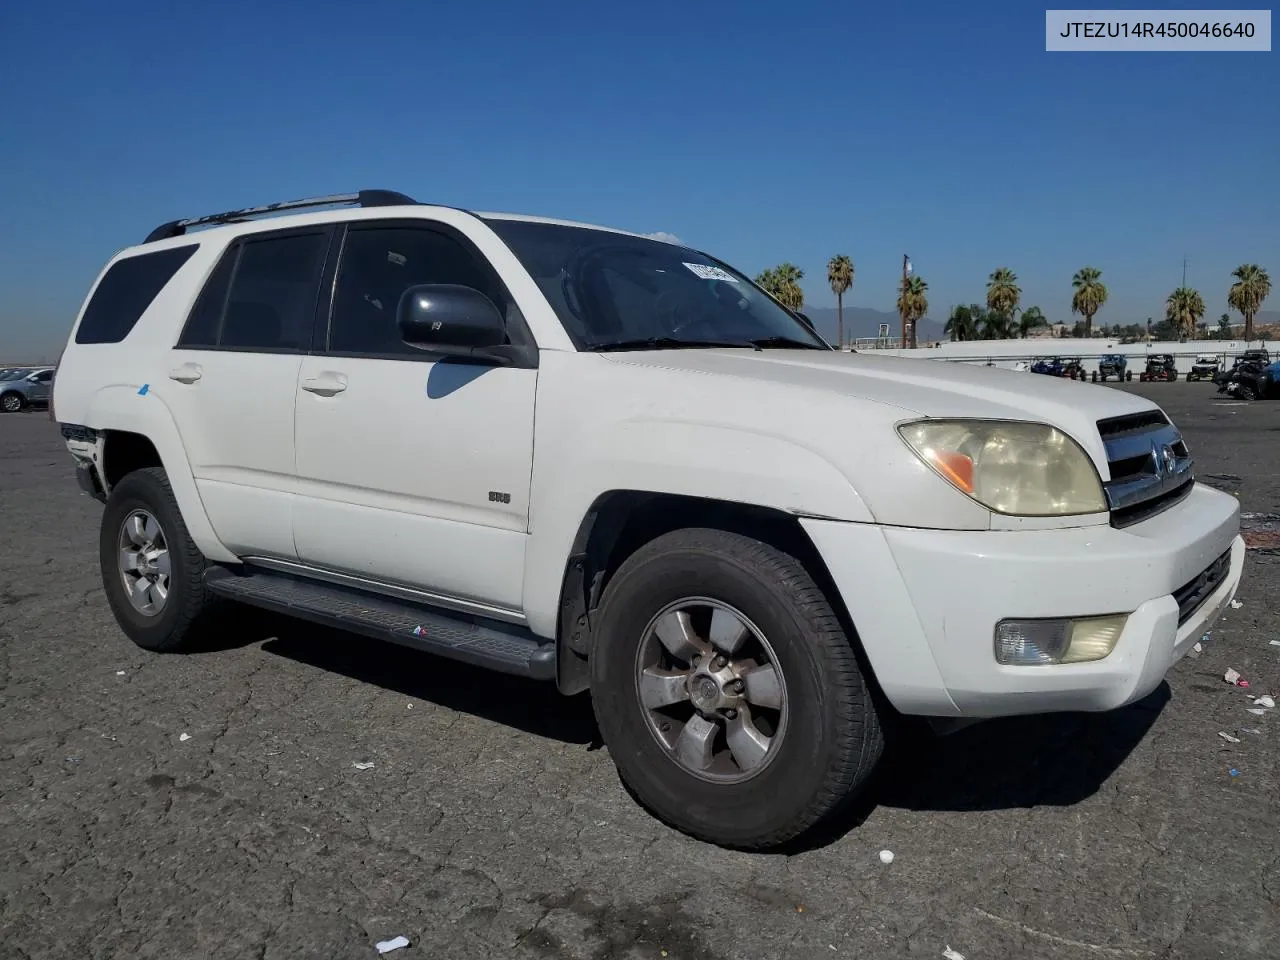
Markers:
point(620, 522)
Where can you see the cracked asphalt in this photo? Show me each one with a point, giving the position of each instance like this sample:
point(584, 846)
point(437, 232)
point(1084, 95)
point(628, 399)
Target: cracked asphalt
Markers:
point(492, 823)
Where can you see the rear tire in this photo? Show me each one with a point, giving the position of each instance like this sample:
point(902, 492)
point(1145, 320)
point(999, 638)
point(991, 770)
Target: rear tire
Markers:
point(824, 740)
point(144, 541)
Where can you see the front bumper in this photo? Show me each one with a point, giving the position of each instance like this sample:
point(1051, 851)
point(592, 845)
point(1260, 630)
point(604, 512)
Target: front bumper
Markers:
point(926, 603)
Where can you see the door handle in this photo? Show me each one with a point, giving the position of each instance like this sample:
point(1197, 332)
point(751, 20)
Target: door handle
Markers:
point(187, 373)
point(325, 385)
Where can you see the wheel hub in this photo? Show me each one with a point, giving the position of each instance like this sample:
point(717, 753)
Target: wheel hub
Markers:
point(144, 563)
point(711, 689)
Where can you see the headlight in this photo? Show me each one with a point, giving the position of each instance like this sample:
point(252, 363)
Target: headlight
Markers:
point(1011, 467)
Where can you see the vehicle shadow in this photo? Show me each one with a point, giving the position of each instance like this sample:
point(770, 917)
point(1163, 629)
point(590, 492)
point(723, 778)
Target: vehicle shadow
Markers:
point(1009, 763)
point(1055, 760)
point(533, 706)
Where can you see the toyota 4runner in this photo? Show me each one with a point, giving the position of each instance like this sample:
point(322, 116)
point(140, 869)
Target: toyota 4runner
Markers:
point(614, 463)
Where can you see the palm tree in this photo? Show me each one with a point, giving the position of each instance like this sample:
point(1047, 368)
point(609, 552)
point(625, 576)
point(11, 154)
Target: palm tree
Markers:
point(1032, 317)
point(996, 325)
point(840, 276)
point(783, 284)
point(1224, 327)
point(1089, 296)
point(913, 304)
point(1003, 293)
point(962, 324)
point(1246, 295)
point(1183, 309)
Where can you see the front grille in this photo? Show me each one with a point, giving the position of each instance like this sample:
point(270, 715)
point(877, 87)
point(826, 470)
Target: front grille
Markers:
point(1149, 463)
point(1194, 593)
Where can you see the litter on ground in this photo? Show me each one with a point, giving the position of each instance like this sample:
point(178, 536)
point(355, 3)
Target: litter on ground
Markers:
point(1234, 678)
point(1228, 737)
point(1266, 702)
point(1258, 711)
point(363, 765)
point(1236, 604)
point(119, 673)
point(952, 954)
point(886, 856)
point(386, 946)
point(1234, 772)
point(1275, 643)
point(184, 737)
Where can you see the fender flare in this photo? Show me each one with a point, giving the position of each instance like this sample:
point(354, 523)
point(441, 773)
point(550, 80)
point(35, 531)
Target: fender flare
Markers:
point(122, 407)
point(703, 461)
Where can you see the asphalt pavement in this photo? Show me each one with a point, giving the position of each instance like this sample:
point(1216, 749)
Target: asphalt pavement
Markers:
point(209, 805)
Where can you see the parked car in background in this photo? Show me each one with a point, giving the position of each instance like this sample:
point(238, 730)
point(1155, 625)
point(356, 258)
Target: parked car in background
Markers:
point(30, 391)
point(1160, 366)
point(1112, 365)
point(14, 373)
point(1069, 367)
point(1205, 368)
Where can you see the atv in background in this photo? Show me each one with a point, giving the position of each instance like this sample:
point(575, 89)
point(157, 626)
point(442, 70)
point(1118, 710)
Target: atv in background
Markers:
point(1049, 366)
point(1205, 368)
point(1073, 367)
point(1258, 358)
point(1252, 380)
point(1112, 365)
point(1160, 366)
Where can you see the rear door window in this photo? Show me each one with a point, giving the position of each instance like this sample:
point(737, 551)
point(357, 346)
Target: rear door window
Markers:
point(262, 295)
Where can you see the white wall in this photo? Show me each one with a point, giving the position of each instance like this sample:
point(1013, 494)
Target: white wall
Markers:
point(1006, 353)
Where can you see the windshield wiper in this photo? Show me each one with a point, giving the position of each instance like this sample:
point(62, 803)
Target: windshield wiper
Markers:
point(786, 343)
point(668, 343)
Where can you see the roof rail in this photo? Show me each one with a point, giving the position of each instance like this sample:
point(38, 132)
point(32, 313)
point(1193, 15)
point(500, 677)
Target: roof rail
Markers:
point(364, 198)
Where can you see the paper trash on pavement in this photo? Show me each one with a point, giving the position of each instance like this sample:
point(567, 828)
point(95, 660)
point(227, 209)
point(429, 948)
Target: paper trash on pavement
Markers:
point(386, 946)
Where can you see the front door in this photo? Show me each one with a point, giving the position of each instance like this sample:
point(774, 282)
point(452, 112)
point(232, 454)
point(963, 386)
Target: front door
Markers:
point(412, 470)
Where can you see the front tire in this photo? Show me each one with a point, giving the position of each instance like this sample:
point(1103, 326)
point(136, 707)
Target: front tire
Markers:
point(12, 402)
point(727, 690)
point(152, 572)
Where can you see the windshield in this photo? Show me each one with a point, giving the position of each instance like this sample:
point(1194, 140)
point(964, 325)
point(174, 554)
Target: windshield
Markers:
point(612, 290)
point(15, 374)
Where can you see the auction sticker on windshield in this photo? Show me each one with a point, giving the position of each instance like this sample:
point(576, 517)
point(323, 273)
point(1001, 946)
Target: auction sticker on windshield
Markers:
point(708, 272)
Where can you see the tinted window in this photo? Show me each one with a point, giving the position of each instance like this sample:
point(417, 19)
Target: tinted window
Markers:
point(44, 376)
point(126, 291)
point(608, 287)
point(271, 304)
point(378, 265)
point(206, 316)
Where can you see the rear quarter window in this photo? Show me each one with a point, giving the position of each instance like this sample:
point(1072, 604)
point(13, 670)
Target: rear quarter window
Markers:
point(126, 291)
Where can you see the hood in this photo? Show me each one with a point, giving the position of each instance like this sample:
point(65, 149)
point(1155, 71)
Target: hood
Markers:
point(929, 388)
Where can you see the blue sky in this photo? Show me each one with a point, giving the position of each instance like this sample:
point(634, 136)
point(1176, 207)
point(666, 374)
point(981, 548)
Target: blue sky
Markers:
point(756, 131)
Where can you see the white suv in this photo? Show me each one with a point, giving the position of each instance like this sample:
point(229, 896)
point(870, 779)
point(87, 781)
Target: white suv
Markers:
point(590, 457)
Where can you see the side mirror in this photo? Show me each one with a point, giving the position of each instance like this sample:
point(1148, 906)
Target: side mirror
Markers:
point(450, 318)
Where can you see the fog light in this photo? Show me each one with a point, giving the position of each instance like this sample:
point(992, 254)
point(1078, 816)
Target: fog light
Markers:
point(1024, 643)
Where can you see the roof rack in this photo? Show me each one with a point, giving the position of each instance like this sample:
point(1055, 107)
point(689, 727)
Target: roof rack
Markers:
point(364, 198)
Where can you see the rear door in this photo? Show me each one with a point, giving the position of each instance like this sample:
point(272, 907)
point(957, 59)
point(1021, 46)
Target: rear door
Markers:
point(233, 378)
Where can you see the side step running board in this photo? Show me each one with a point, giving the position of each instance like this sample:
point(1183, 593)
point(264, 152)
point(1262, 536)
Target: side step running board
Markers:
point(498, 647)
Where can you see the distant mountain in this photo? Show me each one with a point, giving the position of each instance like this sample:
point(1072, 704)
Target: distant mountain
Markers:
point(864, 322)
